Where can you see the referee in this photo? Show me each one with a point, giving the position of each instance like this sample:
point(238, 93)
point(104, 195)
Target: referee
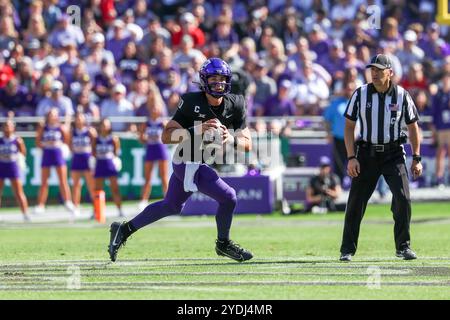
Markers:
point(381, 107)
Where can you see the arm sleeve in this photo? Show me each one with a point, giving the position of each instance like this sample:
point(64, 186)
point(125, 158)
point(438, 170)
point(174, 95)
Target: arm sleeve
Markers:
point(240, 120)
point(410, 109)
point(352, 110)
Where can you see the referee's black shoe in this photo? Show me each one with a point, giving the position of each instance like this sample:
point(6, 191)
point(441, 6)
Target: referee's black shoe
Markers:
point(117, 239)
point(406, 254)
point(232, 250)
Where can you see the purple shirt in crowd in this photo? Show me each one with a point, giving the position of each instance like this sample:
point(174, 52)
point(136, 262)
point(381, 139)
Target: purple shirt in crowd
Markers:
point(22, 99)
point(441, 110)
point(117, 46)
point(275, 107)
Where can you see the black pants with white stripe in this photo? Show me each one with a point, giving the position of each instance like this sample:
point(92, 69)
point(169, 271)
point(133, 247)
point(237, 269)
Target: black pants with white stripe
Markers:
point(391, 164)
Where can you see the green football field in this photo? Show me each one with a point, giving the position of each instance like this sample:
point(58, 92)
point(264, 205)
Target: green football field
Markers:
point(295, 257)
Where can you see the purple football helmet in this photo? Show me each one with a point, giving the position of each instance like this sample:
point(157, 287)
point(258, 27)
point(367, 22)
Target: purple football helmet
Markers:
point(212, 67)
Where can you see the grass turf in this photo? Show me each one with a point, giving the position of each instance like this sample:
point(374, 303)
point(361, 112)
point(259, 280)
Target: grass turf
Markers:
point(296, 257)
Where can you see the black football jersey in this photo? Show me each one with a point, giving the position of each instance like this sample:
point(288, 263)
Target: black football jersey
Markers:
point(194, 108)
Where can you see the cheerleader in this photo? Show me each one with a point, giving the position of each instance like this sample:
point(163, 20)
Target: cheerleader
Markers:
point(12, 158)
point(51, 137)
point(156, 152)
point(105, 149)
point(81, 146)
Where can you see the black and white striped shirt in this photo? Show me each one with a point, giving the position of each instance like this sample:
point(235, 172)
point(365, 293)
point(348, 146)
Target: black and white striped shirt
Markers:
point(381, 115)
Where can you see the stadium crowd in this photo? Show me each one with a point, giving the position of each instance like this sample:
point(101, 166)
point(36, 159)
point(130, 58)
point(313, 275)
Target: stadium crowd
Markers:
point(122, 58)
point(289, 57)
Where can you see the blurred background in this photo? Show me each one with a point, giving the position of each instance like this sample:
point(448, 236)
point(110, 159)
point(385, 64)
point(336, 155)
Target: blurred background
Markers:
point(296, 62)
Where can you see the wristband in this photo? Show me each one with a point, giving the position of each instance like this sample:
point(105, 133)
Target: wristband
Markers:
point(350, 158)
point(417, 158)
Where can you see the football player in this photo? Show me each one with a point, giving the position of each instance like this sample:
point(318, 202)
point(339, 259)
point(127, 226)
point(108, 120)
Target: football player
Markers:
point(213, 110)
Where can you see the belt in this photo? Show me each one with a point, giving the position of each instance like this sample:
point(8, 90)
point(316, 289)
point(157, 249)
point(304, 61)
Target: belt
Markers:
point(379, 147)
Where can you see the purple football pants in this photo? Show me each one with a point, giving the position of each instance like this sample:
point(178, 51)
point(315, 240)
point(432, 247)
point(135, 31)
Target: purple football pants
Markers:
point(209, 183)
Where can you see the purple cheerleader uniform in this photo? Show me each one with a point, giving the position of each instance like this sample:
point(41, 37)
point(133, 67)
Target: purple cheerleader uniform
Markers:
point(104, 166)
point(52, 142)
point(155, 150)
point(81, 146)
point(8, 158)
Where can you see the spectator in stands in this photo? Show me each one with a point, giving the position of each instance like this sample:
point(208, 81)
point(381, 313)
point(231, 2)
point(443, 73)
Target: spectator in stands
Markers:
point(416, 79)
point(56, 101)
point(138, 93)
point(390, 33)
point(334, 60)
point(318, 41)
point(291, 32)
point(65, 31)
point(188, 25)
point(154, 99)
point(108, 12)
point(117, 106)
point(311, 92)
point(36, 29)
point(432, 44)
point(167, 78)
point(279, 104)
point(441, 126)
point(247, 54)
point(350, 75)
point(142, 14)
point(129, 64)
point(351, 59)
point(51, 13)
point(226, 38)
point(133, 30)
point(6, 72)
point(106, 79)
point(389, 49)
point(87, 107)
point(26, 75)
point(15, 97)
point(155, 33)
point(116, 44)
point(411, 53)
point(323, 190)
point(68, 67)
point(183, 58)
point(81, 81)
point(8, 33)
point(343, 10)
point(89, 24)
point(423, 105)
point(97, 53)
point(265, 86)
